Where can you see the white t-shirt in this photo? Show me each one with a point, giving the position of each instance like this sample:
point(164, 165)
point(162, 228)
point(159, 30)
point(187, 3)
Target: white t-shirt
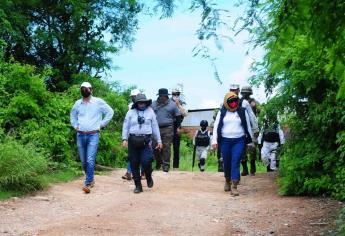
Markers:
point(232, 127)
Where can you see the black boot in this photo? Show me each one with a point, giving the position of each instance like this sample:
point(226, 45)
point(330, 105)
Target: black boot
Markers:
point(252, 167)
point(245, 168)
point(149, 181)
point(138, 187)
point(220, 165)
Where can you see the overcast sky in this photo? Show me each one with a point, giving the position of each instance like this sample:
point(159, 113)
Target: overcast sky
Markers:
point(162, 57)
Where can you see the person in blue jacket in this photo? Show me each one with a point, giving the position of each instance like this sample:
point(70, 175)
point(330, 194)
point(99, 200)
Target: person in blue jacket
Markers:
point(232, 132)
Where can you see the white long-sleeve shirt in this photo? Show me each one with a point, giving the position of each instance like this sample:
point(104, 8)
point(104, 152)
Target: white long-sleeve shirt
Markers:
point(232, 127)
point(88, 116)
point(251, 115)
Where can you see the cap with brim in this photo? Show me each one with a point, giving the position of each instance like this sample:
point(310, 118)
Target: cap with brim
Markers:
point(135, 92)
point(163, 92)
point(175, 90)
point(234, 86)
point(142, 98)
point(86, 84)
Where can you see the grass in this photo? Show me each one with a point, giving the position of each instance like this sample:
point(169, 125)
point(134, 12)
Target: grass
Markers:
point(64, 175)
point(340, 224)
point(211, 164)
point(8, 194)
point(186, 159)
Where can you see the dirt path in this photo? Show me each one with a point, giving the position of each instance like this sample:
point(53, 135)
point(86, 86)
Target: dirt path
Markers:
point(180, 203)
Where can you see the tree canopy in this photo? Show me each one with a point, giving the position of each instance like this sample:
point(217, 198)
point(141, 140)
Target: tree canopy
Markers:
point(68, 36)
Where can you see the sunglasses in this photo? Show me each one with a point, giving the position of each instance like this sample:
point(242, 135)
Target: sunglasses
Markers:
point(176, 94)
point(232, 99)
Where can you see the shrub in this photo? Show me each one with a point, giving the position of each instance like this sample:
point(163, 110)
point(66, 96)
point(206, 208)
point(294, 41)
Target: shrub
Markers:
point(21, 168)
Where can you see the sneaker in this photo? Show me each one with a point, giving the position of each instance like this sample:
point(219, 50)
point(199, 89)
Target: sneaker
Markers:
point(127, 176)
point(86, 189)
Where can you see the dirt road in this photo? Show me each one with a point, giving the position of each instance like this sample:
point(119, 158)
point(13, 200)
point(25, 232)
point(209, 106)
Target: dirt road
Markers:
point(180, 203)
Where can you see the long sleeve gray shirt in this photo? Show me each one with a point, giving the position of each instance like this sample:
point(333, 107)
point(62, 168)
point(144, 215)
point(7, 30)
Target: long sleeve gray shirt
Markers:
point(132, 126)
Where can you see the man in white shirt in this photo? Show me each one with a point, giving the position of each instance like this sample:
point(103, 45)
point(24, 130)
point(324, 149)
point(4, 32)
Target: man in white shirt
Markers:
point(87, 119)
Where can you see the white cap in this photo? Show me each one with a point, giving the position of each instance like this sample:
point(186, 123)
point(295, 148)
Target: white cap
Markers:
point(86, 84)
point(135, 92)
point(234, 86)
point(175, 90)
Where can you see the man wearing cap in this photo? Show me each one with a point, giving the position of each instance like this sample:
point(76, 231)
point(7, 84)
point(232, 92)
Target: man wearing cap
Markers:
point(177, 127)
point(167, 113)
point(246, 91)
point(88, 115)
point(133, 94)
point(244, 102)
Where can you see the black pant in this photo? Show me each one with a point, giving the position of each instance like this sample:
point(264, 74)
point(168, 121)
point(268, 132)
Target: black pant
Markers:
point(140, 157)
point(176, 147)
point(220, 160)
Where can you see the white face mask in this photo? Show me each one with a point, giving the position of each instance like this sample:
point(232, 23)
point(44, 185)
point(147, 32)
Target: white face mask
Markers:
point(176, 98)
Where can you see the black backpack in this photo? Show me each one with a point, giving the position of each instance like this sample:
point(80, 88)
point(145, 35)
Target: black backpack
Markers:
point(202, 139)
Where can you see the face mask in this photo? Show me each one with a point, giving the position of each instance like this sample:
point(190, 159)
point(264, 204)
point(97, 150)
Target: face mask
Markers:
point(176, 98)
point(142, 107)
point(162, 99)
point(85, 92)
point(203, 128)
point(233, 104)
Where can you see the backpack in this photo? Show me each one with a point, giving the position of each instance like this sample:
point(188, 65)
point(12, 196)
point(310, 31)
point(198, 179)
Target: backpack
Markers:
point(202, 139)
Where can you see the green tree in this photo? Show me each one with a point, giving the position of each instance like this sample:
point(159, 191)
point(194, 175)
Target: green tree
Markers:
point(69, 36)
point(304, 63)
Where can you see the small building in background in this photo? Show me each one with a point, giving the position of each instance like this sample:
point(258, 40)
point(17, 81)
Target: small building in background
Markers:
point(191, 122)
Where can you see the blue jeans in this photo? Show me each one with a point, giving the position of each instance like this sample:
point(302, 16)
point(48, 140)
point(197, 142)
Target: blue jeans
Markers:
point(87, 148)
point(129, 170)
point(140, 157)
point(231, 149)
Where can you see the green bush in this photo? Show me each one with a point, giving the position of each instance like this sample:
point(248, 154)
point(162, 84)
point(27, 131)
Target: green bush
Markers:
point(21, 168)
point(40, 117)
point(340, 229)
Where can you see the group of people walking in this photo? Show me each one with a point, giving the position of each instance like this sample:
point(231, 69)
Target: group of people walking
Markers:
point(150, 128)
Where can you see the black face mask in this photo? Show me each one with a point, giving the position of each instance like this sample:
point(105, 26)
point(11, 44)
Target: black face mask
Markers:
point(85, 92)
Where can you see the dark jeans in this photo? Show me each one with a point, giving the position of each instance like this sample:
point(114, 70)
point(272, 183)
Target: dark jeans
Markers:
point(176, 147)
point(252, 157)
point(140, 157)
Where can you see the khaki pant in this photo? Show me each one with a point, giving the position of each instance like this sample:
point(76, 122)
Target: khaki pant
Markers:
point(162, 157)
